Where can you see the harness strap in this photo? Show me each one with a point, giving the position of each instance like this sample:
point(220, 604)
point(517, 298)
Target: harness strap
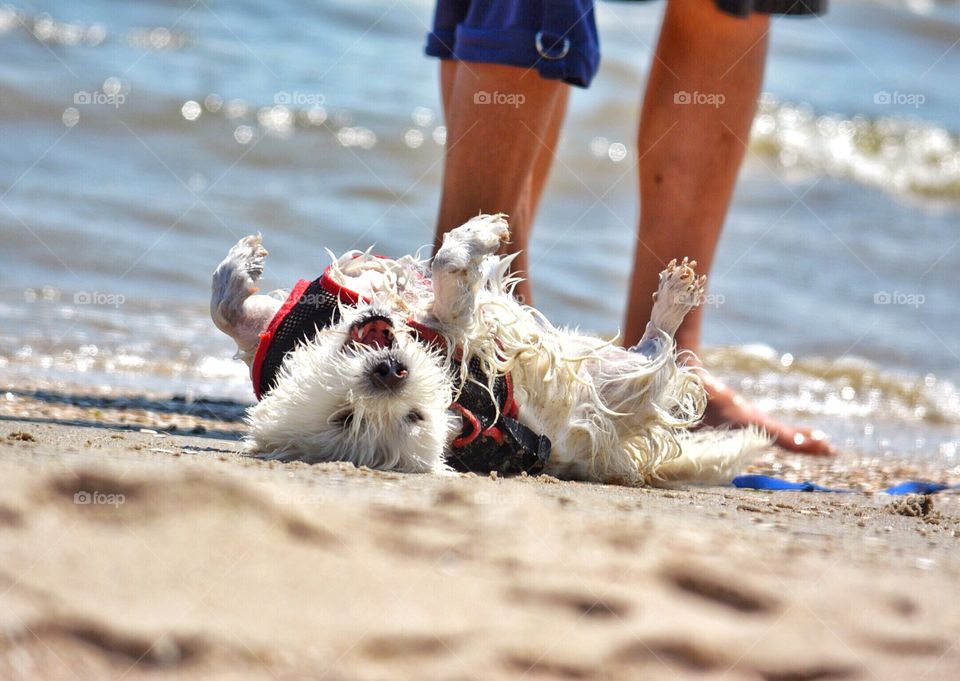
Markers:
point(534, 449)
point(509, 448)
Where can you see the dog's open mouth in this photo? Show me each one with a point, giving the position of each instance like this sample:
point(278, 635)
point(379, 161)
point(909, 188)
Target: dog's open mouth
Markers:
point(374, 331)
point(387, 372)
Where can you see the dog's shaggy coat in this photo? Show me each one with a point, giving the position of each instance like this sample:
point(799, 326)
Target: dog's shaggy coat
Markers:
point(612, 414)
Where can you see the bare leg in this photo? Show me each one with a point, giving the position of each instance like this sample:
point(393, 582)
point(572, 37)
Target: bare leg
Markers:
point(690, 153)
point(545, 155)
point(498, 155)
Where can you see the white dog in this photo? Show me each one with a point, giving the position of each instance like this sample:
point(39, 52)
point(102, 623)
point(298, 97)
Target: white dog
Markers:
point(381, 364)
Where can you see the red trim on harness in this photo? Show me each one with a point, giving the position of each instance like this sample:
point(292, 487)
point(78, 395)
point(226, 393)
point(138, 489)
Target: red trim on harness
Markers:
point(267, 336)
point(339, 290)
point(426, 333)
point(495, 433)
point(510, 407)
point(464, 440)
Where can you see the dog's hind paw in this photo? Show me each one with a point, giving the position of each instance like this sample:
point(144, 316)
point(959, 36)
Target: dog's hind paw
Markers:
point(680, 290)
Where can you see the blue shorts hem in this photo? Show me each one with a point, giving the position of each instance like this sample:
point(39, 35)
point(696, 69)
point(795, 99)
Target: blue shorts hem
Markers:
point(512, 47)
point(440, 44)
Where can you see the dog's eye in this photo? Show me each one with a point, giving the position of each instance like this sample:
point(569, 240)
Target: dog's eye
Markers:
point(414, 417)
point(344, 418)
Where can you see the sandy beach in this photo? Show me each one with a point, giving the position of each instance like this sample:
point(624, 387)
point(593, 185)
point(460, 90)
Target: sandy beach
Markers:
point(139, 542)
point(142, 139)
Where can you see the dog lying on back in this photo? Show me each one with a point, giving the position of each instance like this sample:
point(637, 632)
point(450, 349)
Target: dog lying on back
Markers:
point(413, 366)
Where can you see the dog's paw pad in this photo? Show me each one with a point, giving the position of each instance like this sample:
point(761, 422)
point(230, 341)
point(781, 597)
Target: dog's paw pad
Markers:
point(680, 285)
point(248, 255)
point(482, 235)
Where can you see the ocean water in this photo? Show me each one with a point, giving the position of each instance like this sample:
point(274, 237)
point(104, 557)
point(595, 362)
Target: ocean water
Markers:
point(138, 141)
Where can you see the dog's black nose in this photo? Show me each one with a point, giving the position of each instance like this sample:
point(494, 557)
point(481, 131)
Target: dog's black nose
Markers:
point(388, 373)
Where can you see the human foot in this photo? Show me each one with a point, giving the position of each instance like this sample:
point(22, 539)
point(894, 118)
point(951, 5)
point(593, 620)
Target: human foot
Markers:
point(728, 408)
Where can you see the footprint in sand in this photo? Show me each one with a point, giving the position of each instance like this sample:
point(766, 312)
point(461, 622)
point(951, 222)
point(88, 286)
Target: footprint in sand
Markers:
point(720, 590)
point(580, 604)
point(108, 498)
point(391, 646)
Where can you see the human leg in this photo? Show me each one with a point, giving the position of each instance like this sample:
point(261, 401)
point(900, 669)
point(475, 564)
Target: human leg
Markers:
point(697, 112)
point(498, 155)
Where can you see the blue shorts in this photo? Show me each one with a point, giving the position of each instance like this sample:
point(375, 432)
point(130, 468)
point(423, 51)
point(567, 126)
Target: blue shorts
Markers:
point(558, 38)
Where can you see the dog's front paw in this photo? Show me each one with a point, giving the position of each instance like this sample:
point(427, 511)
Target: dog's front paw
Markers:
point(467, 245)
point(235, 280)
point(247, 257)
point(458, 269)
point(484, 233)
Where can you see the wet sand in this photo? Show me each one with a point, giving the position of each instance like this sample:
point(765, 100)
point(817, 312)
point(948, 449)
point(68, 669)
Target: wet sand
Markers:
point(166, 553)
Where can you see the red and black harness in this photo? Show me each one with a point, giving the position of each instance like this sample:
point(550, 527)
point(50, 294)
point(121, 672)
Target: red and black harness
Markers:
point(492, 438)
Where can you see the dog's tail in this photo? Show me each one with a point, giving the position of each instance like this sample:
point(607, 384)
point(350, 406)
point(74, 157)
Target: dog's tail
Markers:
point(711, 457)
